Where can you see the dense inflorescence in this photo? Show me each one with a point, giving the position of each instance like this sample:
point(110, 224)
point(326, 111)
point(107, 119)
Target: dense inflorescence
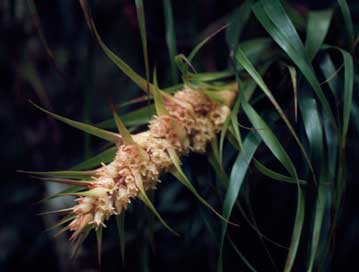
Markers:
point(192, 121)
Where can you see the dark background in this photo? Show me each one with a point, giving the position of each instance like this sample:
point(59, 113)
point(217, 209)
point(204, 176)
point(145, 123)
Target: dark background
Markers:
point(73, 77)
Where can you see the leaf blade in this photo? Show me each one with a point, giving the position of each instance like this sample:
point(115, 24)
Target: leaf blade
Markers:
point(103, 134)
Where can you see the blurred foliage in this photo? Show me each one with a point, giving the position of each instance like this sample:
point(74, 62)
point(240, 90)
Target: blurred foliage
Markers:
point(48, 55)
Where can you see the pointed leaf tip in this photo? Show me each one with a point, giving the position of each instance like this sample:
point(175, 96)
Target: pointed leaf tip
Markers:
point(143, 196)
point(126, 135)
point(101, 133)
point(157, 97)
point(99, 246)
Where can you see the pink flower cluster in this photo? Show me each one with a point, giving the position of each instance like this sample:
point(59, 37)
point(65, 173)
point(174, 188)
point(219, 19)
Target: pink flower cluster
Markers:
point(193, 120)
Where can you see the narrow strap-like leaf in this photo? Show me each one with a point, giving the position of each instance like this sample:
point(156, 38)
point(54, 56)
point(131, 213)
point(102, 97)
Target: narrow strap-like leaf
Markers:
point(157, 97)
point(82, 183)
point(126, 135)
point(80, 241)
point(331, 73)
point(103, 157)
point(170, 37)
point(272, 17)
point(99, 245)
point(141, 23)
point(275, 175)
point(238, 174)
point(137, 117)
point(237, 22)
point(347, 19)
point(180, 175)
point(63, 174)
point(348, 90)
point(244, 259)
point(279, 152)
point(143, 196)
point(104, 134)
point(202, 43)
point(241, 58)
point(317, 28)
point(123, 66)
point(64, 220)
point(120, 223)
point(293, 77)
point(71, 189)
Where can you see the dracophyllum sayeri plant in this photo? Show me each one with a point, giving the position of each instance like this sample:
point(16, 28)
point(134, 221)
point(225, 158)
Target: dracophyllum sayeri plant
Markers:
point(202, 115)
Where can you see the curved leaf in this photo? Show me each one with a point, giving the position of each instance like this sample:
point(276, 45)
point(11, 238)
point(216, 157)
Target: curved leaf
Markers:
point(238, 174)
point(317, 28)
point(273, 18)
point(170, 38)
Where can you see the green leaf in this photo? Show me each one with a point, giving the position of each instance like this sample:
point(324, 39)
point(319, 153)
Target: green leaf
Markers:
point(143, 196)
point(71, 189)
point(80, 241)
point(202, 43)
point(312, 125)
point(277, 14)
point(103, 134)
point(348, 93)
point(247, 263)
point(222, 137)
point(57, 212)
point(274, 175)
point(63, 174)
point(344, 8)
point(221, 174)
point(244, 61)
point(92, 192)
point(141, 23)
point(125, 134)
point(273, 18)
point(297, 231)
point(348, 90)
point(76, 182)
point(157, 96)
point(279, 152)
point(183, 63)
point(123, 66)
point(215, 150)
point(120, 223)
point(293, 77)
point(269, 138)
point(237, 22)
point(247, 88)
point(258, 51)
point(103, 157)
point(318, 221)
point(211, 76)
point(314, 132)
point(134, 118)
point(341, 178)
point(238, 174)
point(99, 245)
point(170, 37)
point(296, 16)
point(64, 220)
point(330, 73)
point(317, 28)
point(180, 175)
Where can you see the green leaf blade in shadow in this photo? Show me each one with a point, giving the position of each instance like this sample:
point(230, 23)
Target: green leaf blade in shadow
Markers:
point(237, 176)
point(170, 38)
